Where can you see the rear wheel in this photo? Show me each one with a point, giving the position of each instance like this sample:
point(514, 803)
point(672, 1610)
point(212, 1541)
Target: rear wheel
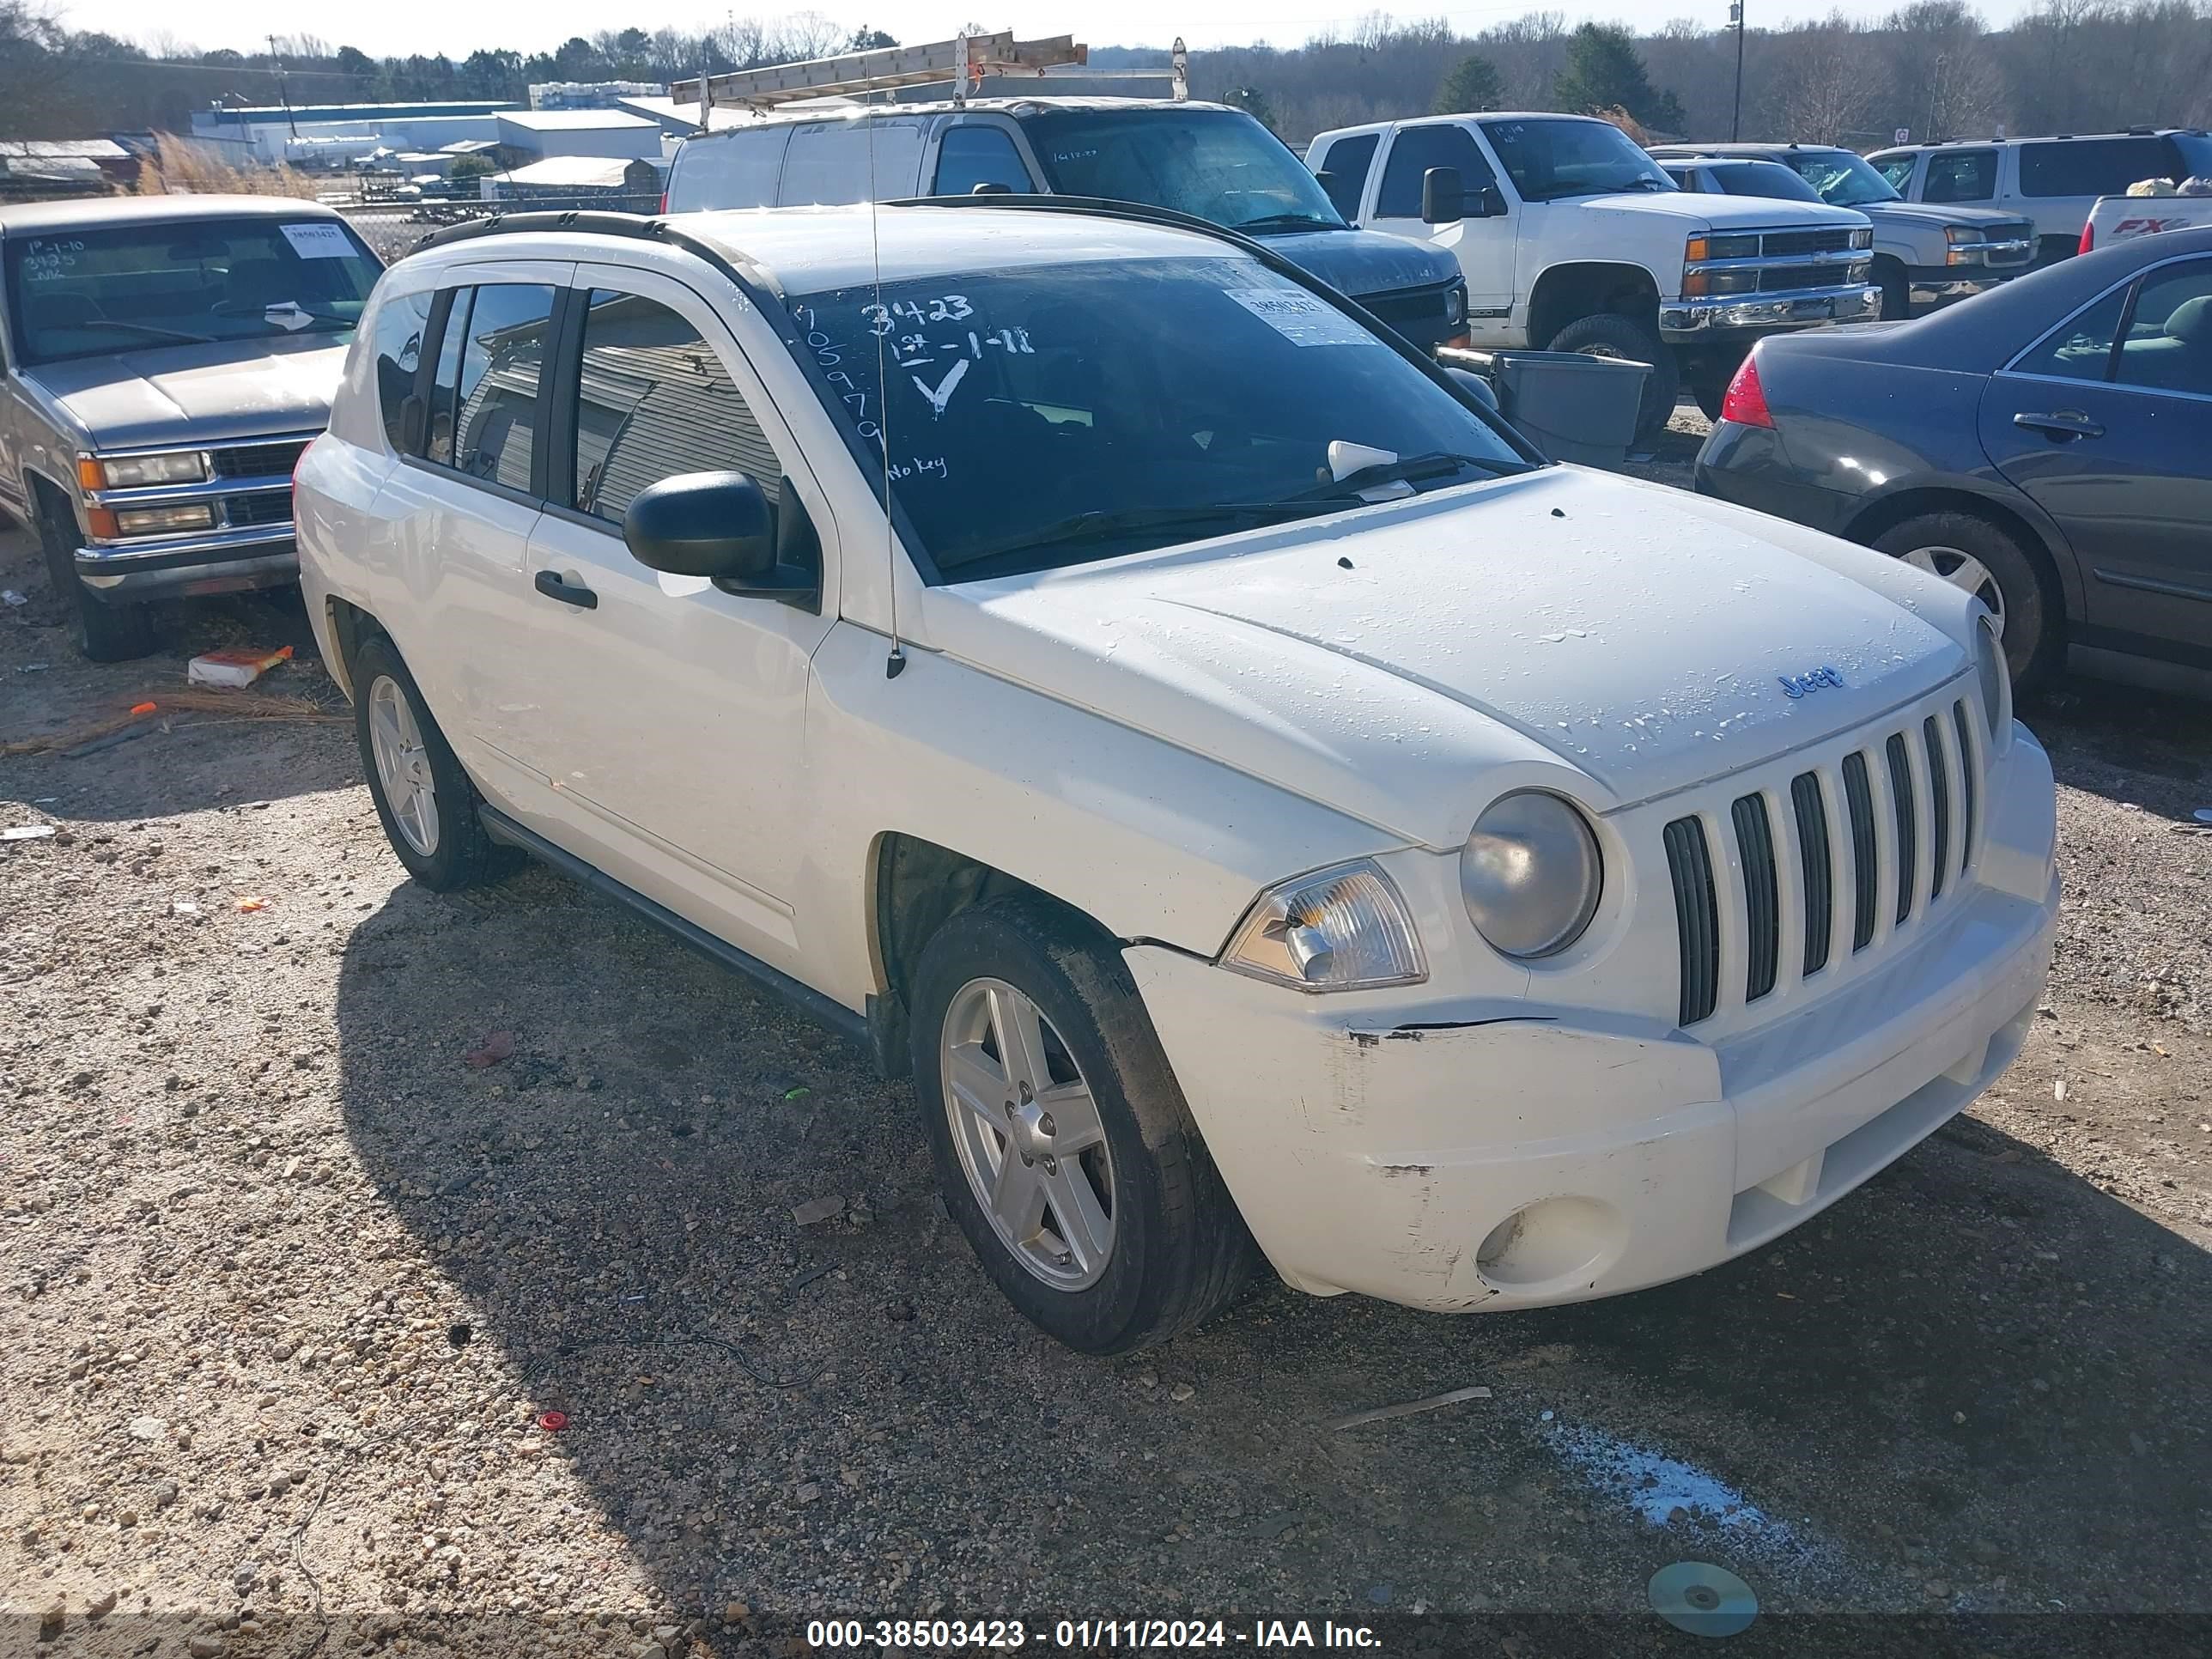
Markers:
point(1063, 1145)
point(104, 632)
point(424, 799)
point(1610, 334)
point(1972, 553)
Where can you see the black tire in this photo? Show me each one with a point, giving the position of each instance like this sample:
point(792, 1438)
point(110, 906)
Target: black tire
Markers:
point(1609, 334)
point(1180, 1252)
point(459, 853)
point(104, 632)
point(1896, 290)
point(1710, 395)
point(2034, 617)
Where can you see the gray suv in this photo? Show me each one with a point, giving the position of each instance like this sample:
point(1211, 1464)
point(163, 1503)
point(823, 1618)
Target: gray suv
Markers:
point(166, 359)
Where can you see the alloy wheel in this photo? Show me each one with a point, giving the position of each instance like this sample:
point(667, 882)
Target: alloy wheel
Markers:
point(402, 766)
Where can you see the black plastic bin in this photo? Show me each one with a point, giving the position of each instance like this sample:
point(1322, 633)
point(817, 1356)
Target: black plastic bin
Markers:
point(1572, 407)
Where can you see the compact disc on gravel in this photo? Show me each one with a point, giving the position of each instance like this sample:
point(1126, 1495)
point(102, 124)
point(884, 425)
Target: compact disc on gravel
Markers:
point(1703, 1599)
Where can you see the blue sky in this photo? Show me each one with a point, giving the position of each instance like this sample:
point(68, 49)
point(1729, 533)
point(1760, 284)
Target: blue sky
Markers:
point(407, 26)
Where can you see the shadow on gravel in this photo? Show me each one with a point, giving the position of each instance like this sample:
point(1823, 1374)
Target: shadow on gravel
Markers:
point(1980, 1383)
point(2127, 744)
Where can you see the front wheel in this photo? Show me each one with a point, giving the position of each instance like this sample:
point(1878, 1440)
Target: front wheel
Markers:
point(1969, 552)
point(104, 632)
point(1063, 1145)
point(1611, 335)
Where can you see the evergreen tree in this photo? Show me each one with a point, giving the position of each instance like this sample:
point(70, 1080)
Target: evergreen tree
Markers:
point(1603, 72)
point(1475, 85)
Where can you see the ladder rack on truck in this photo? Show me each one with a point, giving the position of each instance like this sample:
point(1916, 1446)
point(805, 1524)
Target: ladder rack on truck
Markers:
point(964, 61)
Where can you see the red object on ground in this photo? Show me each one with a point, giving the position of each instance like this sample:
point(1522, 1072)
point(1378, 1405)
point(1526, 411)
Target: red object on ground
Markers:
point(553, 1422)
point(1745, 400)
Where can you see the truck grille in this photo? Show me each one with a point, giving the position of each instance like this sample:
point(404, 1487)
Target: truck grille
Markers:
point(1783, 279)
point(1759, 880)
point(263, 507)
point(269, 460)
point(1796, 243)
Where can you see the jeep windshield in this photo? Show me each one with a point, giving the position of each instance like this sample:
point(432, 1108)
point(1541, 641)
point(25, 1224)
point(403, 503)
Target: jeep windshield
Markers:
point(1549, 159)
point(1841, 179)
point(88, 292)
point(1051, 415)
point(1215, 164)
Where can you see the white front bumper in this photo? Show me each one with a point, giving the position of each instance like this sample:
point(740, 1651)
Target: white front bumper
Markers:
point(1512, 1154)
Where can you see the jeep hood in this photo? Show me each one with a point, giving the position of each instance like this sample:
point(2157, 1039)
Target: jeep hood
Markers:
point(1388, 661)
point(1360, 263)
point(196, 395)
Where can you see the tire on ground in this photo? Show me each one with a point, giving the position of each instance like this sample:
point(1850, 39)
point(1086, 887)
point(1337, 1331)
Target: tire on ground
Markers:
point(461, 854)
point(104, 632)
point(2034, 616)
point(1896, 290)
point(1610, 334)
point(1180, 1251)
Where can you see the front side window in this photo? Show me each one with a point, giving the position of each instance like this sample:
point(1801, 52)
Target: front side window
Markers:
point(1412, 153)
point(2091, 167)
point(1345, 162)
point(401, 324)
point(654, 400)
point(978, 153)
point(1555, 158)
point(88, 292)
point(1961, 175)
point(1842, 179)
point(1055, 414)
point(1217, 164)
point(1896, 170)
point(483, 395)
point(2169, 342)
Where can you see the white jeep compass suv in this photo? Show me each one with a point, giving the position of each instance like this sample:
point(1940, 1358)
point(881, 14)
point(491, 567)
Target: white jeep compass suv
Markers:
point(1257, 800)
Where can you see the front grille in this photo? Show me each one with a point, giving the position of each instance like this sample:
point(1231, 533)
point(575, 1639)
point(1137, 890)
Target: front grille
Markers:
point(264, 507)
point(1794, 244)
point(1757, 878)
point(1783, 279)
point(1697, 910)
point(271, 460)
point(1421, 306)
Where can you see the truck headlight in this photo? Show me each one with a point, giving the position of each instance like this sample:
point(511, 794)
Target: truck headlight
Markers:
point(1955, 234)
point(1699, 249)
point(1531, 874)
point(1456, 304)
point(136, 472)
point(1995, 676)
point(1863, 238)
point(1340, 929)
point(156, 520)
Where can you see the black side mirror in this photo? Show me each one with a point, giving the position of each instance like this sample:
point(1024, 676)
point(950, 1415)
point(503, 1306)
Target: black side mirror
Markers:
point(1444, 202)
point(716, 525)
point(1489, 203)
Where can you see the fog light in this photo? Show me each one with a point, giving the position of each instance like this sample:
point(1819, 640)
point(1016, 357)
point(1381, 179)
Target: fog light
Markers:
point(152, 520)
point(1551, 1245)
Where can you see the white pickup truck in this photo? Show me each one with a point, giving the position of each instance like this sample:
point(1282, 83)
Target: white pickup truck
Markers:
point(2122, 218)
point(1574, 239)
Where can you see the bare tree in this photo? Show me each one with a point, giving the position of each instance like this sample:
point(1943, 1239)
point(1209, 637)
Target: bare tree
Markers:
point(1827, 93)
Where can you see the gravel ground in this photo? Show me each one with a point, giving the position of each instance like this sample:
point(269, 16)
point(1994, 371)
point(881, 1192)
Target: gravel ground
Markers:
point(291, 1281)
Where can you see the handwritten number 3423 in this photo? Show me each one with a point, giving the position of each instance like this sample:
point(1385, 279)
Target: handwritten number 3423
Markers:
point(944, 308)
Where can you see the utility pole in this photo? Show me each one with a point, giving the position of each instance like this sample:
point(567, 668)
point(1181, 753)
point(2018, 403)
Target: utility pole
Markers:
point(283, 91)
point(1735, 120)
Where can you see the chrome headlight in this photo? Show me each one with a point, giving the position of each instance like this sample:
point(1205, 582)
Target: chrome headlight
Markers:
point(1456, 304)
point(1340, 929)
point(1995, 676)
point(1531, 874)
point(136, 471)
point(1956, 234)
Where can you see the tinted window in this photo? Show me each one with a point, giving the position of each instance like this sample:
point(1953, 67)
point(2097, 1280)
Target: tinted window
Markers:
point(970, 156)
point(400, 325)
point(653, 401)
point(1768, 179)
point(1961, 175)
point(1552, 159)
point(89, 293)
point(1896, 170)
point(1412, 153)
point(485, 401)
point(2081, 348)
point(2169, 343)
point(1217, 164)
point(2091, 167)
point(839, 162)
point(1032, 410)
point(1346, 162)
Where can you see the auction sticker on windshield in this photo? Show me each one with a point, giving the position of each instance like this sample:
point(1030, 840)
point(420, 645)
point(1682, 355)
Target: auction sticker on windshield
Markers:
point(319, 241)
point(1302, 318)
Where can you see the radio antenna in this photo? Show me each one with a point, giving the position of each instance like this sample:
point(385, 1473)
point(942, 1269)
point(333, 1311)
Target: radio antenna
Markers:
point(893, 664)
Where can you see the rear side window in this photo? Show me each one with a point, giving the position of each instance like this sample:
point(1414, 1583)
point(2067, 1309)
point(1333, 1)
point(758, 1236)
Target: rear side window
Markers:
point(2169, 342)
point(837, 162)
point(968, 155)
point(1345, 163)
point(401, 324)
point(1414, 152)
point(1961, 175)
point(483, 402)
point(654, 400)
point(2081, 348)
point(2091, 167)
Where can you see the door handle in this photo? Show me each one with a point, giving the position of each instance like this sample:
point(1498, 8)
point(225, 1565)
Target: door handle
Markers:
point(2066, 423)
point(553, 586)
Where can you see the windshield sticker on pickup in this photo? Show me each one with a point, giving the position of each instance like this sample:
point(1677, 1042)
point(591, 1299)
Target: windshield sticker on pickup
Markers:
point(1302, 318)
point(319, 241)
point(47, 258)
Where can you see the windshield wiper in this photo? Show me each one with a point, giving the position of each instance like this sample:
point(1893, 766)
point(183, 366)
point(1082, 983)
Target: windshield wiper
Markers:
point(1098, 526)
point(176, 334)
point(1409, 468)
point(1287, 222)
